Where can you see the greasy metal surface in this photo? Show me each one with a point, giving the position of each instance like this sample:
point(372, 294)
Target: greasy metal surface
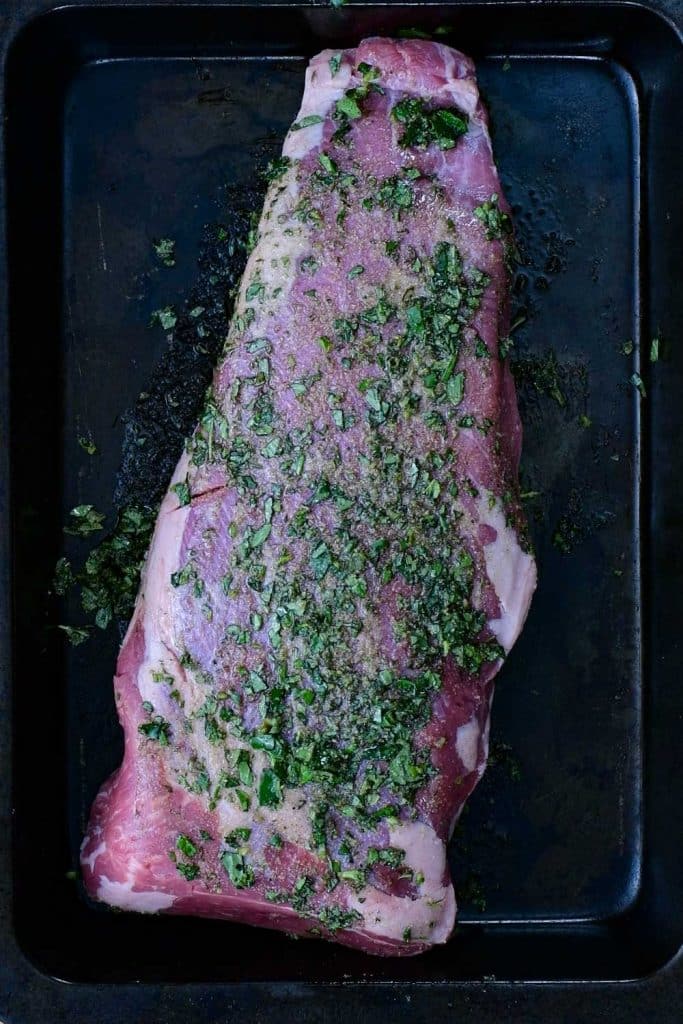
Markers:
point(577, 858)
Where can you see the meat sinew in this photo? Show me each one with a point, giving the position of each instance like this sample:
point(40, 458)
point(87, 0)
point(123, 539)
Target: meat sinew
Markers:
point(339, 565)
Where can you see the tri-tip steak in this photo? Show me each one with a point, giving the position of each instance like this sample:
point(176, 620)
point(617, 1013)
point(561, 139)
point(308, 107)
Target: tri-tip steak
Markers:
point(340, 563)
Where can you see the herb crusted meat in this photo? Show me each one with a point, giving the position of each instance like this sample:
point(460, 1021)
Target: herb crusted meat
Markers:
point(339, 566)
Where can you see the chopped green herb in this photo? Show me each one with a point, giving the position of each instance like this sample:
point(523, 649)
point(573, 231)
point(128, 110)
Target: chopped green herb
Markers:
point(335, 63)
point(186, 846)
point(307, 122)
point(64, 578)
point(335, 919)
point(182, 491)
point(165, 250)
point(276, 168)
point(638, 383)
point(158, 730)
point(455, 388)
point(188, 871)
point(88, 445)
point(270, 790)
point(166, 317)
point(84, 519)
point(348, 107)
point(497, 224)
point(423, 126)
point(238, 836)
point(76, 634)
point(238, 870)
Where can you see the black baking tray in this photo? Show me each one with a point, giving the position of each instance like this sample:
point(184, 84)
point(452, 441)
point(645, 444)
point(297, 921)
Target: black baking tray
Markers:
point(122, 124)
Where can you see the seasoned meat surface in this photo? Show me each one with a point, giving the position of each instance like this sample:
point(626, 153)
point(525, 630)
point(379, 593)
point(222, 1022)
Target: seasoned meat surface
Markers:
point(340, 565)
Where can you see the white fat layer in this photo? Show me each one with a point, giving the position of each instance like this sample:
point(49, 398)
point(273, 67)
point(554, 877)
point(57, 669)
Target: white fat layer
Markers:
point(121, 894)
point(320, 94)
point(467, 744)
point(291, 819)
point(512, 573)
point(275, 264)
point(430, 917)
point(97, 852)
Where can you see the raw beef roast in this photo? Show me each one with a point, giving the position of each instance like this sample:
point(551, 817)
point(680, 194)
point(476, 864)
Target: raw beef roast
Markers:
point(340, 564)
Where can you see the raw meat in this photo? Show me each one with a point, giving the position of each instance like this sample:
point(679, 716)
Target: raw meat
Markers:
point(340, 563)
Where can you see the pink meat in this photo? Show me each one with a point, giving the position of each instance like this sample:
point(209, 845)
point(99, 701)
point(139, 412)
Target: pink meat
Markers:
point(339, 566)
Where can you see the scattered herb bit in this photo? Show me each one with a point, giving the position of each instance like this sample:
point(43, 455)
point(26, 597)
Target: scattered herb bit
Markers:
point(238, 836)
point(165, 250)
point(627, 348)
point(471, 893)
point(348, 107)
point(335, 63)
point(543, 374)
point(158, 730)
point(585, 421)
point(76, 634)
point(335, 919)
point(256, 290)
point(270, 790)
point(307, 122)
point(276, 168)
point(186, 846)
point(166, 317)
point(88, 445)
point(455, 388)
point(182, 491)
point(639, 384)
point(424, 126)
point(654, 350)
point(84, 519)
point(238, 870)
point(64, 577)
point(496, 223)
point(188, 871)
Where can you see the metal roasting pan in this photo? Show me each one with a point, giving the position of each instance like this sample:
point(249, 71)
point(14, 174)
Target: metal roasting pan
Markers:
point(126, 122)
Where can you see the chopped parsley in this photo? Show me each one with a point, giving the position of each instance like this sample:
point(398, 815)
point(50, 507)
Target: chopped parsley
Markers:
point(165, 250)
point(185, 845)
point(497, 224)
point(167, 318)
point(307, 122)
point(423, 126)
point(76, 635)
point(639, 384)
point(87, 444)
point(238, 870)
point(84, 519)
point(182, 491)
point(158, 730)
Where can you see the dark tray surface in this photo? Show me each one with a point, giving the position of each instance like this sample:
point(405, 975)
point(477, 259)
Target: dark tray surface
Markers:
point(578, 860)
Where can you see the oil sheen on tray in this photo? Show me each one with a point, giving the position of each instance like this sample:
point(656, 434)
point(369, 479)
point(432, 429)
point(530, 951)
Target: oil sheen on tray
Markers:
point(340, 563)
